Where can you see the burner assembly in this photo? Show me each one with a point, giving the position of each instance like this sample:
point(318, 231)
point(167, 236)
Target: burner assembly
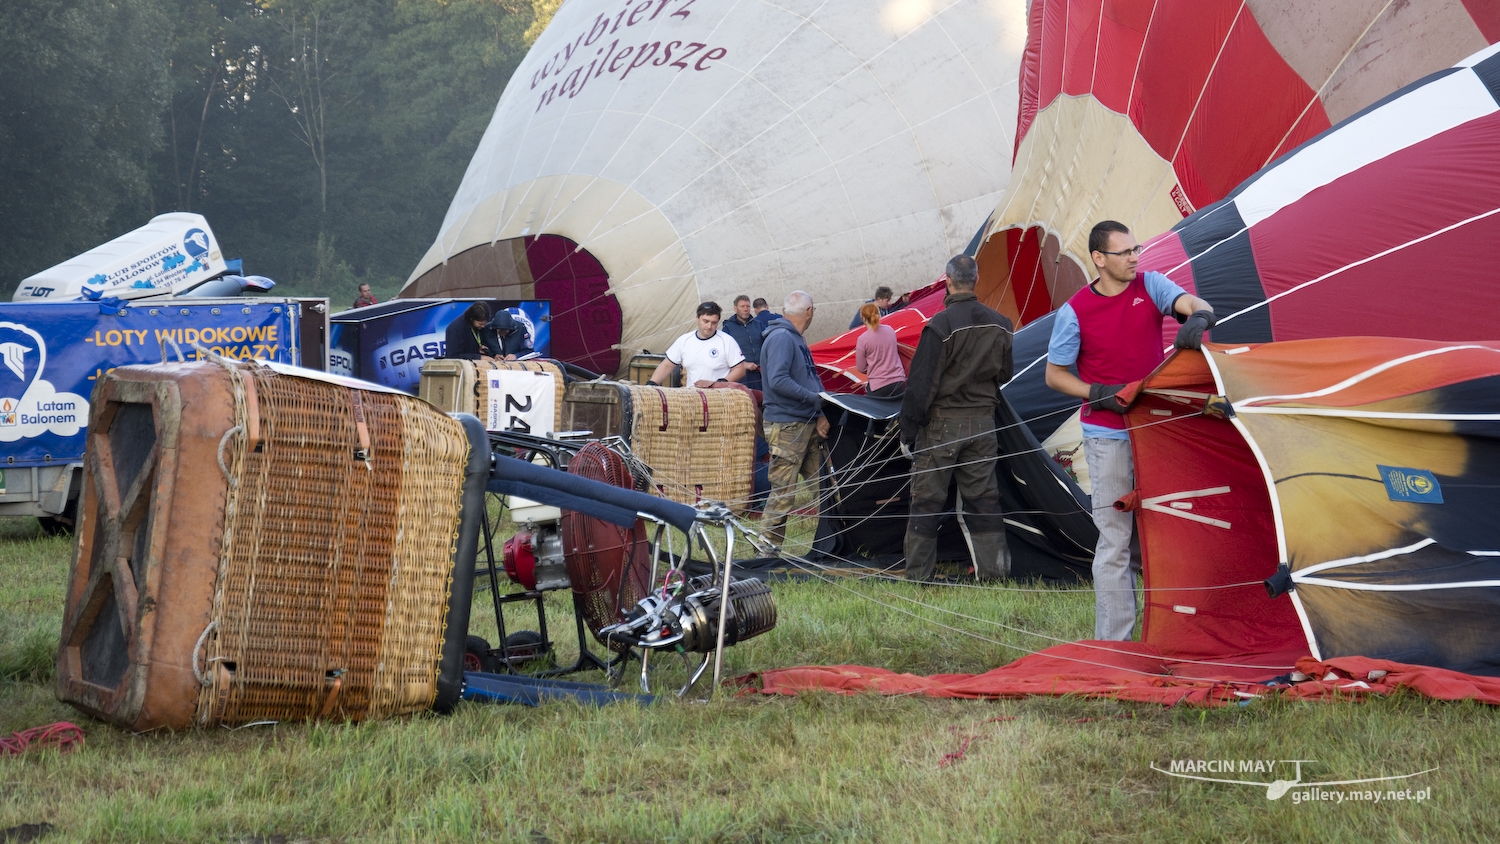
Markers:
point(611, 570)
point(688, 620)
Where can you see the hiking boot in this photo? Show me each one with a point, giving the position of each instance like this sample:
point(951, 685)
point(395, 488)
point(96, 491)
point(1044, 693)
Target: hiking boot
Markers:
point(921, 556)
point(992, 556)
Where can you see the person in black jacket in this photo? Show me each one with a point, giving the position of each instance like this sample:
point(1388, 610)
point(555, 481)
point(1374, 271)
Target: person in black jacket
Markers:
point(513, 340)
point(741, 325)
point(468, 338)
point(948, 426)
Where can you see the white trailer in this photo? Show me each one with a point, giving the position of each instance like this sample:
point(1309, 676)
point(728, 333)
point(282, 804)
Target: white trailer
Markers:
point(168, 256)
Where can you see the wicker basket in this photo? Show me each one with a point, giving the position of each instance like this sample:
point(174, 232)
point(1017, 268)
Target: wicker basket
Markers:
point(699, 444)
point(644, 365)
point(255, 545)
point(446, 383)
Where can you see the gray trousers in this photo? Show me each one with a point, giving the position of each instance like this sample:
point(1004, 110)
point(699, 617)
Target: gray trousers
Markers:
point(1112, 472)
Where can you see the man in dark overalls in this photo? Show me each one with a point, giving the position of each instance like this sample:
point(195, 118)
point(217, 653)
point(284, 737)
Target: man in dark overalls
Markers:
point(948, 426)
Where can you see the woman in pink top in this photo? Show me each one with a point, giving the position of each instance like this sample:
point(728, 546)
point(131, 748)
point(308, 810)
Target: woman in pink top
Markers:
point(875, 355)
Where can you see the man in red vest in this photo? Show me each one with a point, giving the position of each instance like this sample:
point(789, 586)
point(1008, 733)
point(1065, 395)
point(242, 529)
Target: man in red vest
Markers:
point(1112, 330)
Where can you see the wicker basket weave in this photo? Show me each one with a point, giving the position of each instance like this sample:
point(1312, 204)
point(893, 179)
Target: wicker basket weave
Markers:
point(303, 591)
point(312, 579)
point(699, 443)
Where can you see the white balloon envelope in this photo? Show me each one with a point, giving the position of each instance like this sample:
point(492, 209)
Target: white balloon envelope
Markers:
point(691, 150)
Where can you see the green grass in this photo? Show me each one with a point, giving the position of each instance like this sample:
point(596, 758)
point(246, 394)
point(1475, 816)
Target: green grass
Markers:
point(740, 769)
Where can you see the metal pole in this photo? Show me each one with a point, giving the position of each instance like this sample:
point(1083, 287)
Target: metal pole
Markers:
point(723, 605)
point(646, 652)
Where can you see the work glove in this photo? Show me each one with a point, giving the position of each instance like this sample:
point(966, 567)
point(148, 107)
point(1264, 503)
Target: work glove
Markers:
point(907, 450)
point(1104, 397)
point(1190, 335)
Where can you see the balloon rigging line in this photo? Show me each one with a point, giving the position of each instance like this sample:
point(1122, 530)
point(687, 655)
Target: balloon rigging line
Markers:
point(823, 497)
point(1187, 127)
point(816, 570)
point(880, 574)
point(1378, 255)
point(1318, 94)
point(873, 462)
point(1216, 680)
point(1031, 288)
point(1013, 629)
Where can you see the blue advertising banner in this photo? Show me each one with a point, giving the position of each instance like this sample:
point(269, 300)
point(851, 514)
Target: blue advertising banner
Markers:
point(388, 343)
point(52, 353)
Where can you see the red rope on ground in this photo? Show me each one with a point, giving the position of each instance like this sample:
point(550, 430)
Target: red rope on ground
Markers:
point(63, 735)
point(951, 758)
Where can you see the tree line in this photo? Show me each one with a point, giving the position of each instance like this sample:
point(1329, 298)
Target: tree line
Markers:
point(322, 139)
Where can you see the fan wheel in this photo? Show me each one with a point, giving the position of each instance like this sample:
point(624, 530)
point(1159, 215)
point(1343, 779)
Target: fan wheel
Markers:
point(608, 565)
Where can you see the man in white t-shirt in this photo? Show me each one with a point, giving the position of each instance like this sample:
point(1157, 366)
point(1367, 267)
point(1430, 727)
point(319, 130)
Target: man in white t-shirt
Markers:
point(706, 353)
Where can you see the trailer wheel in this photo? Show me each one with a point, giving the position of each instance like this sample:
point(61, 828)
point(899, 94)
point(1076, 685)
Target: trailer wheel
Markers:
point(477, 655)
point(53, 526)
point(62, 523)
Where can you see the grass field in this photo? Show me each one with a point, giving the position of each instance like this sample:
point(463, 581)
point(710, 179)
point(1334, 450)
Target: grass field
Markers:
point(814, 768)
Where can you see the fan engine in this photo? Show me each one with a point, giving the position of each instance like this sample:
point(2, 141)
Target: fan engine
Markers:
point(689, 621)
point(534, 558)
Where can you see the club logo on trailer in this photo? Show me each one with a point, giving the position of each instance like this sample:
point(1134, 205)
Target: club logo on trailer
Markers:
point(1302, 792)
point(29, 405)
point(195, 242)
point(14, 356)
point(22, 355)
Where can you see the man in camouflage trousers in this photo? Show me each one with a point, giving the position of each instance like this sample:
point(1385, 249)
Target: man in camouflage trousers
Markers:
point(794, 421)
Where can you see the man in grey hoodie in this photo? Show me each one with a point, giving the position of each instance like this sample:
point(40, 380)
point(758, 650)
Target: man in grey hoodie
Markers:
point(794, 421)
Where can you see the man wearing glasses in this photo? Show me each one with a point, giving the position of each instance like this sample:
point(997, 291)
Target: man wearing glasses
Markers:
point(1112, 330)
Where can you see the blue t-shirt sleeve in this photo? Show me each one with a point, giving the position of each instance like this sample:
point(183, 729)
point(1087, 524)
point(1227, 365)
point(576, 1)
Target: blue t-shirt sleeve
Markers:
point(1163, 291)
point(1062, 349)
